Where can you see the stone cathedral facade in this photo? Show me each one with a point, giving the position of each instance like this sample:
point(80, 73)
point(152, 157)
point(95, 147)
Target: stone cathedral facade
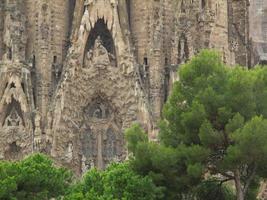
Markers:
point(74, 74)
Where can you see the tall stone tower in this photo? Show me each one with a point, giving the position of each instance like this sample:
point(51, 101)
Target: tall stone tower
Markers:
point(16, 97)
point(76, 74)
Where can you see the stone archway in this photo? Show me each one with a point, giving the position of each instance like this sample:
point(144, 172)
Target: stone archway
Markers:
point(100, 48)
point(101, 30)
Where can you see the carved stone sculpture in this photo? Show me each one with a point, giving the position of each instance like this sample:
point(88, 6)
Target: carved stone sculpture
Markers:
point(37, 130)
point(13, 119)
point(100, 54)
point(84, 166)
point(69, 153)
point(182, 51)
point(37, 123)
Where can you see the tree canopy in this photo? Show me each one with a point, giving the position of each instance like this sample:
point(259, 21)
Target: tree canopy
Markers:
point(117, 182)
point(214, 122)
point(34, 178)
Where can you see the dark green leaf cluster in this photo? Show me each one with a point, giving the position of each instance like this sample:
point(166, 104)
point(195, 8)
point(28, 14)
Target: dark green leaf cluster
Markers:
point(117, 182)
point(34, 178)
point(212, 189)
point(173, 170)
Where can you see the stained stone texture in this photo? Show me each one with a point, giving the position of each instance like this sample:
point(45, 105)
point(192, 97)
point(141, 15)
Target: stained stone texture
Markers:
point(258, 30)
point(75, 74)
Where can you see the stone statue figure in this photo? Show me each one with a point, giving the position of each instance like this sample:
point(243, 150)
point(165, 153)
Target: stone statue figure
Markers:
point(37, 123)
point(15, 36)
point(69, 154)
point(7, 38)
point(13, 119)
point(49, 127)
point(88, 58)
point(182, 51)
point(100, 53)
point(84, 166)
point(92, 163)
point(49, 119)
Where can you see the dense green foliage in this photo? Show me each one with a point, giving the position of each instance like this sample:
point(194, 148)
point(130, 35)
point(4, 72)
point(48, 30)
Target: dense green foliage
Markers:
point(34, 178)
point(175, 170)
point(117, 182)
point(214, 121)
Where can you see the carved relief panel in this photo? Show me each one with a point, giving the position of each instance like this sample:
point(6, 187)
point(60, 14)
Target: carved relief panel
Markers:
point(13, 119)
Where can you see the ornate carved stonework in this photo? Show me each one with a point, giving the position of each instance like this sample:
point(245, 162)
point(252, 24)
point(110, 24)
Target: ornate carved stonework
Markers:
point(13, 119)
point(15, 124)
point(75, 74)
point(98, 56)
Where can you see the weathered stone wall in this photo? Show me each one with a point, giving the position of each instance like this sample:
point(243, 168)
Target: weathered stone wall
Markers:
point(219, 37)
point(258, 29)
point(86, 70)
point(49, 28)
point(222, 25)
point(16, 108)
point(101, 66)
point(1, 28)
point(239, 30)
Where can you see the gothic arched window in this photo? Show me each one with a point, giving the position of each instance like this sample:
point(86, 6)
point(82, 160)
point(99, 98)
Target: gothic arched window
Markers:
point(110, 144)
point(89, 148)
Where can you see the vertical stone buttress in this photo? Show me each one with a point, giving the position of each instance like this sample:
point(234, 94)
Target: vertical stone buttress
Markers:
point(219, 32)
point(51, 25)
point(152, 25)
point(1, 27)
point(238, 18)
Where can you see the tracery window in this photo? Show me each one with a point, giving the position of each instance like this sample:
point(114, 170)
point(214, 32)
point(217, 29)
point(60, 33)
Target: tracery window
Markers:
point(110, 144)
point(101, 141)
point(89, 148)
